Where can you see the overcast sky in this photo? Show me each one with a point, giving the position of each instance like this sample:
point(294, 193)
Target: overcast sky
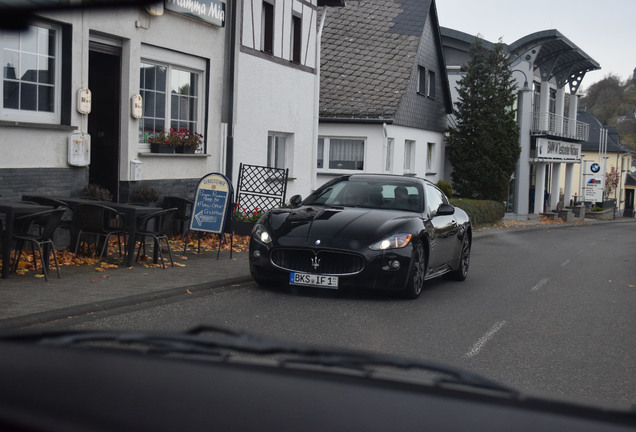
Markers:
point(604, 30)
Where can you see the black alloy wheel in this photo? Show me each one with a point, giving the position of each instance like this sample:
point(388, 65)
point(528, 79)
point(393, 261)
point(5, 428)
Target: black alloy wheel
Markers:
point(417, 272)
point(464, 260)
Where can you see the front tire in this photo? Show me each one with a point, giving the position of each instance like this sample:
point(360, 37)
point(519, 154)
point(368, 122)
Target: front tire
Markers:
point(464, 260)
point(417, 272)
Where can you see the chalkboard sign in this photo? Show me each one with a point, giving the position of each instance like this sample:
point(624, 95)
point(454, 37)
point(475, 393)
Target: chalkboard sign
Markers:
point(214, 193)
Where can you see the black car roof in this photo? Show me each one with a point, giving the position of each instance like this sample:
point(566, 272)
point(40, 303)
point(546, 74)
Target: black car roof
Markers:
point(384, 177)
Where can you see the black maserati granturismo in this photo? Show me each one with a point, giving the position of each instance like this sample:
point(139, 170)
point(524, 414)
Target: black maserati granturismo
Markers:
point(370, 231)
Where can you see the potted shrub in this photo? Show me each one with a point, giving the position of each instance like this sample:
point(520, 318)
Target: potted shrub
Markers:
point(97, 192)
point(144, 194)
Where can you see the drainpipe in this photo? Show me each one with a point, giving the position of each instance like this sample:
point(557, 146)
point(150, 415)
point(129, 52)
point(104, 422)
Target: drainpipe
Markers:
point(229, 145)
point(314, 180)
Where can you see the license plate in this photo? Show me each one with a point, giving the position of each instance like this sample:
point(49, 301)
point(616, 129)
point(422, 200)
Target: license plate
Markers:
point(313, 280)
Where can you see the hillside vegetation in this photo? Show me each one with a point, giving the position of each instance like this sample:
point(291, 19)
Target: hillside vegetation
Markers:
point(610, 100)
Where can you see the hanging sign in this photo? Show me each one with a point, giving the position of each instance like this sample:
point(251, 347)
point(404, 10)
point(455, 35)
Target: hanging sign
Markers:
point(211, 202)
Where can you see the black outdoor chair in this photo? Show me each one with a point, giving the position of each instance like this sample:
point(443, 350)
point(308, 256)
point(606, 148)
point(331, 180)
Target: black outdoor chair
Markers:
point(65, 222)
point(157, 225)
point(182, 219)
point(183, 214)
point(100, 221)
point(42, 238)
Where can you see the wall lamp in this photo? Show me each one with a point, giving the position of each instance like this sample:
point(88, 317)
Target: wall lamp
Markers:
point(526, 87)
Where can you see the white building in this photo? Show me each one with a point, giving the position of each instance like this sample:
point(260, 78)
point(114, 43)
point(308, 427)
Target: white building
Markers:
point(545, 65)
point(173, 57)
point(384, 94)
point(277, 88)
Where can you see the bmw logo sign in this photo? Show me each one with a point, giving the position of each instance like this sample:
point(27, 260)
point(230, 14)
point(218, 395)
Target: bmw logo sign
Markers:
point(317, 242)
point(595, 167)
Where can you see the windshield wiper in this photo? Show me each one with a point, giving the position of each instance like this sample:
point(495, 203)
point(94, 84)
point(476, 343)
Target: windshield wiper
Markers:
point(220, 342)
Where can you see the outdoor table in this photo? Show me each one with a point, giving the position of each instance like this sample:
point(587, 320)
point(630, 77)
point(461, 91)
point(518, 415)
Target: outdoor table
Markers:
point(12, 209)
point(131, 211)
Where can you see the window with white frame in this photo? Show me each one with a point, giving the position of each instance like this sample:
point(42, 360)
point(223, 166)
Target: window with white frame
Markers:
point(31, 78)
point(171, 97)
point(409, 156)
point(430, 152)
point(388, 155)
point(341, 153)
point(277, 150)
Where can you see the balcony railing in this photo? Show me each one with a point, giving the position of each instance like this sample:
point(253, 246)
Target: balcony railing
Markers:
point(559, 126)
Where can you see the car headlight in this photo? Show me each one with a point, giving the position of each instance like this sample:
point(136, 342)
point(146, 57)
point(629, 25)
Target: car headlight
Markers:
point(261, 234)
point(396, 241)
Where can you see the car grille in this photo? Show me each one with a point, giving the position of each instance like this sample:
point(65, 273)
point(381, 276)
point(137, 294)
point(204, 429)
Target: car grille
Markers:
point(320, 262)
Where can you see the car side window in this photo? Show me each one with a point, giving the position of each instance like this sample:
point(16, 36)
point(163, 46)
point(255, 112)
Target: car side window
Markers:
point(434, 198)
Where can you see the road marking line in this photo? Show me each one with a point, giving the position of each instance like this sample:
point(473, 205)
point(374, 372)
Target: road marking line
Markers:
point(565, 263)
point(540, 284)
point(485, 338)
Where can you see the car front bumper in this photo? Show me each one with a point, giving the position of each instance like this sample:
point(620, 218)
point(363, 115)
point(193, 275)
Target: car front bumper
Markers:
point(381, 270)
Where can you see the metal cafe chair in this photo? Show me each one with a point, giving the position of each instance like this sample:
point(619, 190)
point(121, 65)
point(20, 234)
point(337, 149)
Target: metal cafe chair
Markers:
point(184, 211)
point(65, 222)
point(157, 225)
point(182, 218)
point(100, 221)
point(42, 238)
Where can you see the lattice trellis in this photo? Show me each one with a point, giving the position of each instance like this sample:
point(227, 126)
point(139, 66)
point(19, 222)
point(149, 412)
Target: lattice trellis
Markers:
point(261, 187)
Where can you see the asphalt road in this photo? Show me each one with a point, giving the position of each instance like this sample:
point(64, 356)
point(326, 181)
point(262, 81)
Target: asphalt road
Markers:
point(545, 311)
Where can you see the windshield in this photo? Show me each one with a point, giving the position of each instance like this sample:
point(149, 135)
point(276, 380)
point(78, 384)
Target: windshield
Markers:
point(369, 193)
point(151, 181)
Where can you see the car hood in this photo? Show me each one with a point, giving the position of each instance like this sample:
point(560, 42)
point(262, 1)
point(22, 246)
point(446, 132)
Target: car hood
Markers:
point(337, 227)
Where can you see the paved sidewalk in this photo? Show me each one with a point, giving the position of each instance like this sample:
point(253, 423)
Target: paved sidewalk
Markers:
point(28, 299)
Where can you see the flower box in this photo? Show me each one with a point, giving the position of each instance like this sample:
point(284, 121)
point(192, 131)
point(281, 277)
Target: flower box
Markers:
point(184, 150)
point(179, 140)
point(161, 148)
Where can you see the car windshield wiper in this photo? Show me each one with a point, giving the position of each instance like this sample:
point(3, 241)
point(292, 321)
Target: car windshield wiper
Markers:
point(220, 342)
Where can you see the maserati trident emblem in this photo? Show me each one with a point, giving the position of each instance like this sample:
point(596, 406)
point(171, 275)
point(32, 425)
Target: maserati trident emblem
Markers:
point(315, 262)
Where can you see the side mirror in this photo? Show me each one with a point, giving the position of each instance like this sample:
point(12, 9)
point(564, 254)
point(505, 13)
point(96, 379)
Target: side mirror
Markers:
point(295, 200)
point(445, 210)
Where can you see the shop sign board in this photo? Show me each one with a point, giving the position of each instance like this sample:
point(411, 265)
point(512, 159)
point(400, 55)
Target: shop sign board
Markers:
point(593, 184)
point(212, 199)
point(558, 150)
point(210, 11)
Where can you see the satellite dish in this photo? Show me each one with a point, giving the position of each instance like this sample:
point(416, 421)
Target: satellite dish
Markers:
point(633, 169)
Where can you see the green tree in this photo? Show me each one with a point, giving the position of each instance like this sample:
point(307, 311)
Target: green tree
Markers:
point(610, 98)
point(484, 143)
